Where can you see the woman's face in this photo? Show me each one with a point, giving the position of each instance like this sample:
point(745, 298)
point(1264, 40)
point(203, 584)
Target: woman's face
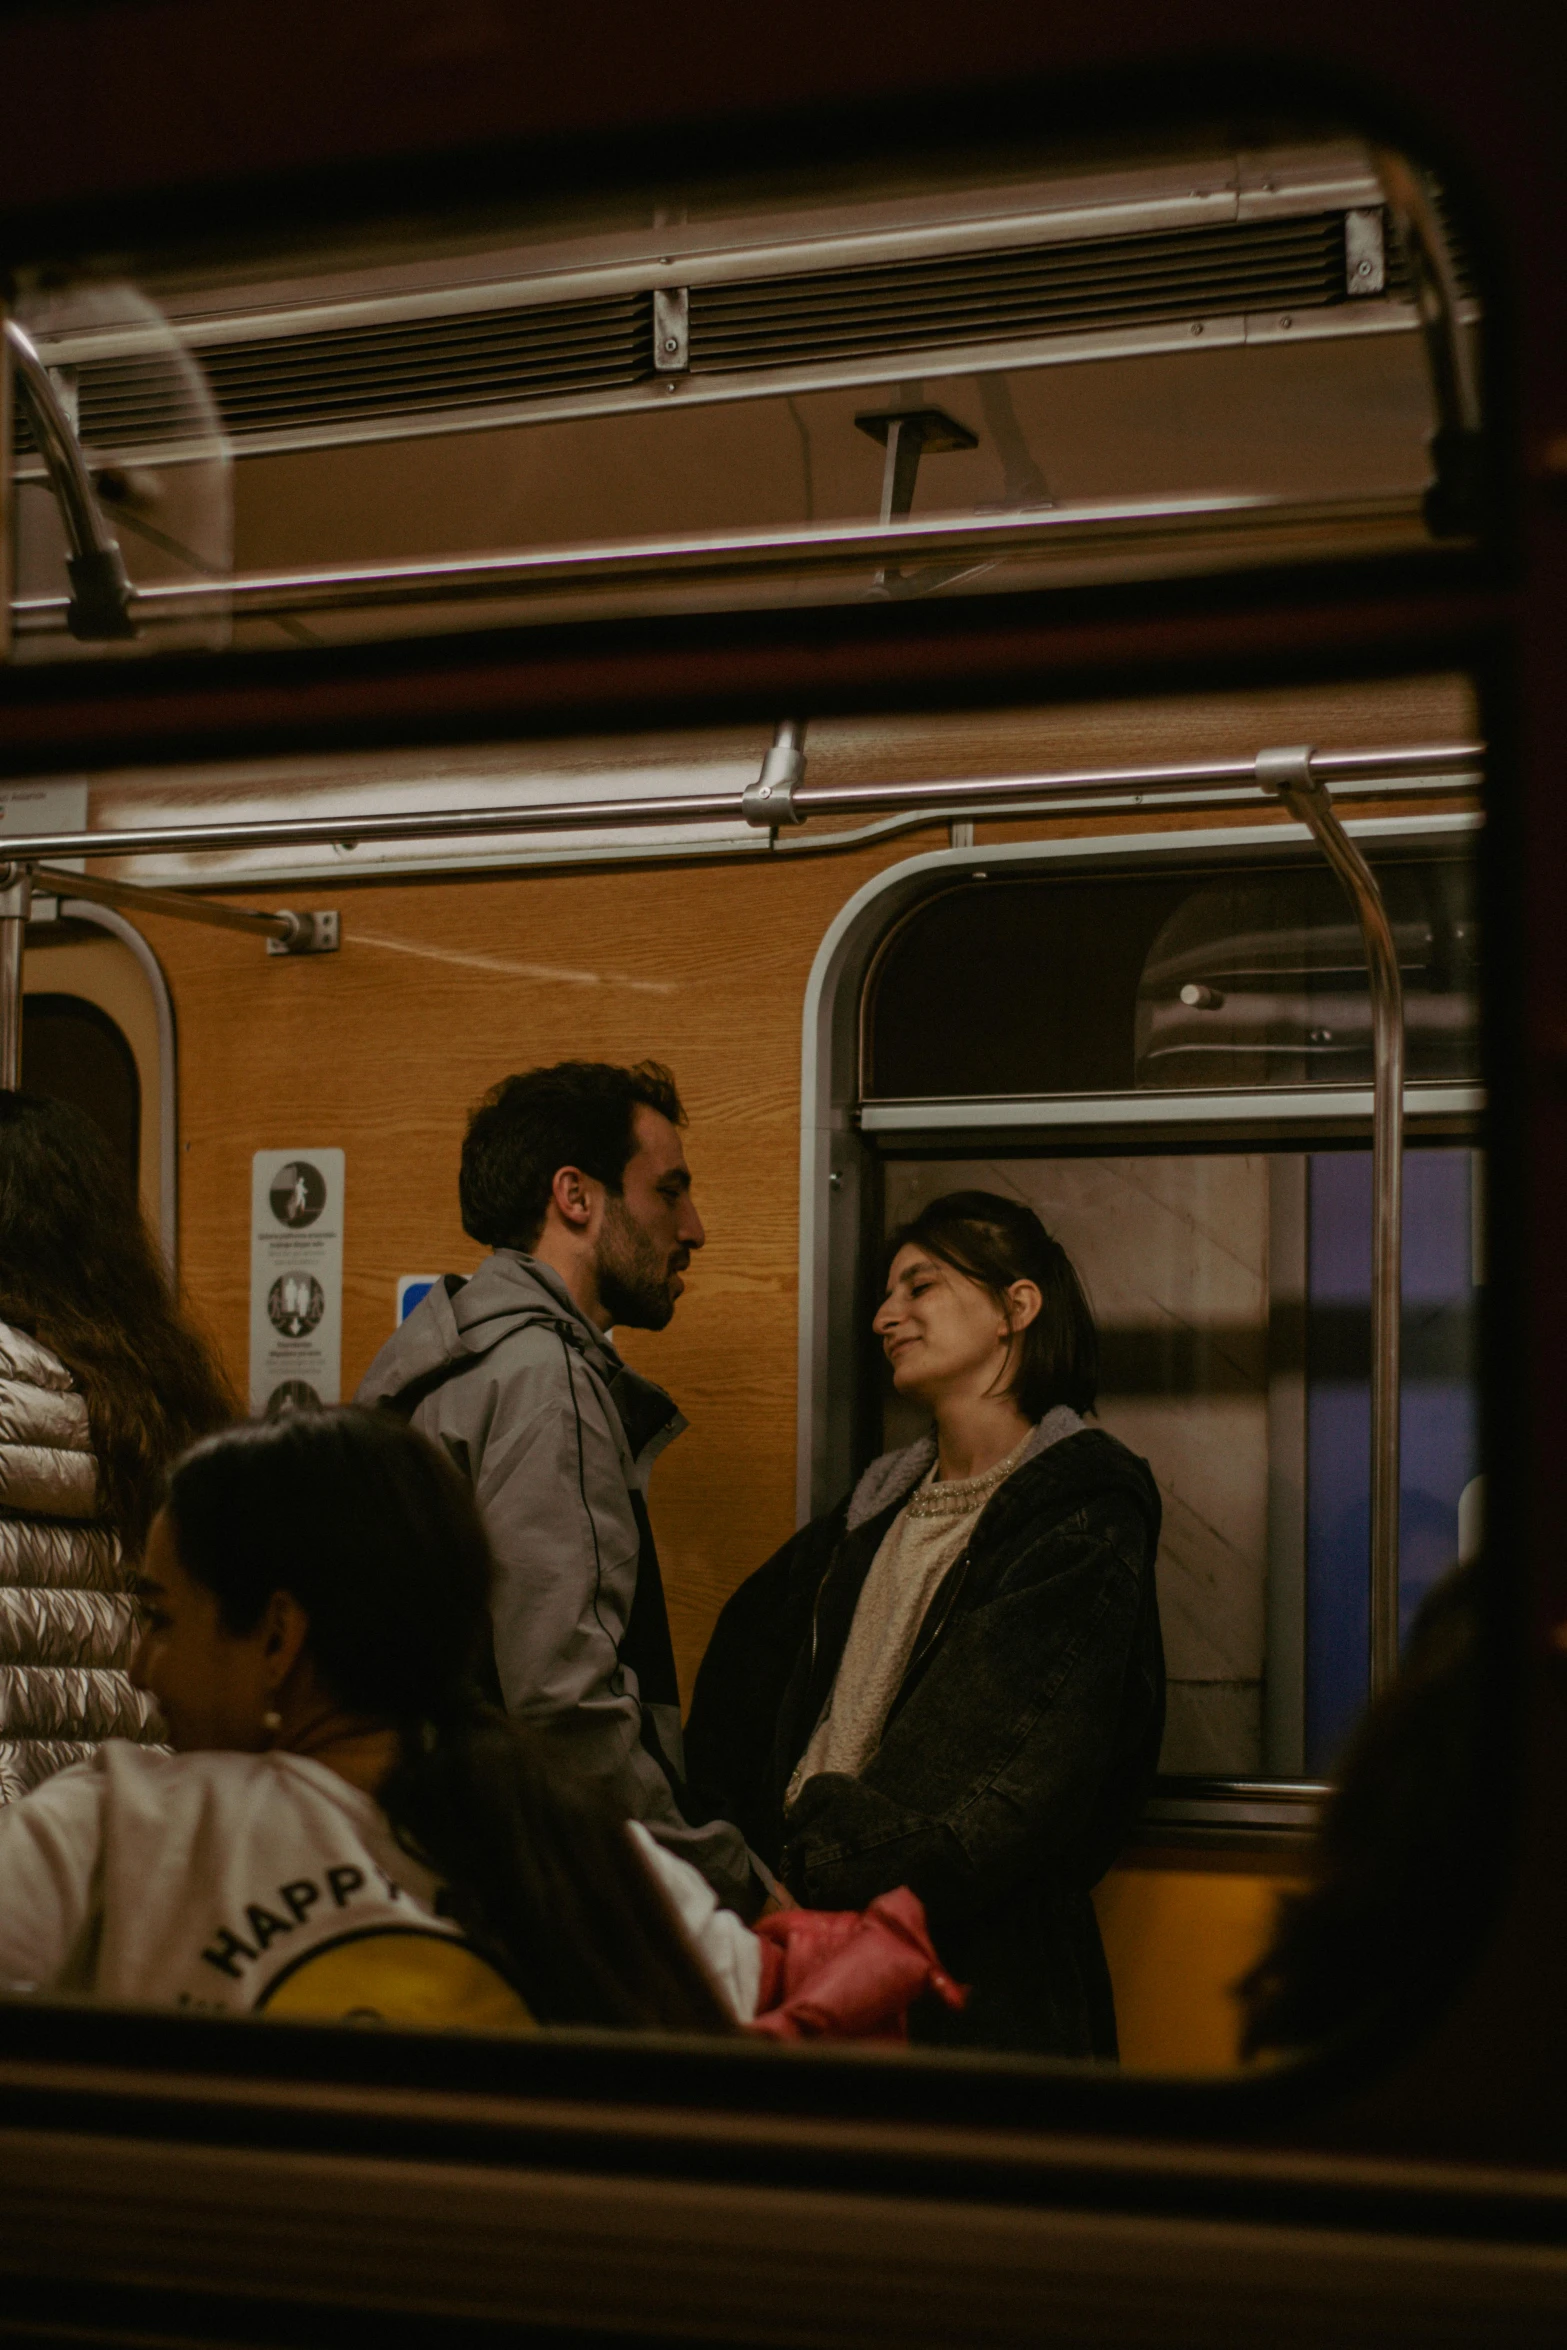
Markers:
point(212, 1686)
point(943, 1334)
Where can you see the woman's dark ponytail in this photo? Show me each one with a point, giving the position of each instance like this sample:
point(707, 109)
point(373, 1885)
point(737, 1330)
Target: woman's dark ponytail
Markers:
point(376, 1536)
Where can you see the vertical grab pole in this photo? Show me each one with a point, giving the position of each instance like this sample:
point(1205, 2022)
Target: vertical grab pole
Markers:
point(16, 893)
point(1287, 775)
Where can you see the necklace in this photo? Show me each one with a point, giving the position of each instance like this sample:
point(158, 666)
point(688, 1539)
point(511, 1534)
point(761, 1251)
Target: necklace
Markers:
point(957, 1497)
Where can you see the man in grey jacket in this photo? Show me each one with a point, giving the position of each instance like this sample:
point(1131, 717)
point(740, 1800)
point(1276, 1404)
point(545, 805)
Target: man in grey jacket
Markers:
point(576, 1178)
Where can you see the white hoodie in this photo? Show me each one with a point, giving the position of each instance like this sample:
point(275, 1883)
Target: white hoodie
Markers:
point(207, 1881)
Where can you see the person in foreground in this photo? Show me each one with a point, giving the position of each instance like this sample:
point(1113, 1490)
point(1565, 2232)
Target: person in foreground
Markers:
point(346, 1826)
point(1410, 1862)
point(101, 1384)
point(576, 1179)
point(955, 1680)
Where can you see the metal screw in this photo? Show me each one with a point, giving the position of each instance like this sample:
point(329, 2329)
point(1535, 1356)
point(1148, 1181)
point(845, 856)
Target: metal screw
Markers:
point(767, 791)
point(1286, 322)
point(670, 344)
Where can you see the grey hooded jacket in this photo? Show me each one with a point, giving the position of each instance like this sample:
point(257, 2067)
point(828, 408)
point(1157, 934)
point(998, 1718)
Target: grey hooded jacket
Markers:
point(557, 1436)
point(66, 1626)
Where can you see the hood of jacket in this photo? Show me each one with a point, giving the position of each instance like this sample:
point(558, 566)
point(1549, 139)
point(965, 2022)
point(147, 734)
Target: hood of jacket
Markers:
point(460, 1321)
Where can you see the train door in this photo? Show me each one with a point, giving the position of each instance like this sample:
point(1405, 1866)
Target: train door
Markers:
point(98, 1031)
point(1162, 1044)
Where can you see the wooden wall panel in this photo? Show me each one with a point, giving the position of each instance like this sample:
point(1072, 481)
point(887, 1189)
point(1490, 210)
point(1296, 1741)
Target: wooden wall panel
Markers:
point(443, 986)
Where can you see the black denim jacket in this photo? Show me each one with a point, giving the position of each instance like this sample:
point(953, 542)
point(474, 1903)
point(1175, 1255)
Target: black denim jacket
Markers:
point(1018, 1752)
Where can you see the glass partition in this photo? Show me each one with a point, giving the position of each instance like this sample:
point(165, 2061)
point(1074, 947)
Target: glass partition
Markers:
point(1231, 1290)
point(1169, 982)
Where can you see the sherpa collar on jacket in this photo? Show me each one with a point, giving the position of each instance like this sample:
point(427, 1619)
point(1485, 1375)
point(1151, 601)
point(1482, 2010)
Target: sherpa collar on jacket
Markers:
point(896, 1474)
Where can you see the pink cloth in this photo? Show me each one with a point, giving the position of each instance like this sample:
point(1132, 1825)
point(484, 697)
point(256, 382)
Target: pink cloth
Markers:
point(844, 1974)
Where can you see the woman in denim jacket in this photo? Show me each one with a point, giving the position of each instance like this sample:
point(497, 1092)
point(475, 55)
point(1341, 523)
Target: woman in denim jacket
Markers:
point(955, 1679)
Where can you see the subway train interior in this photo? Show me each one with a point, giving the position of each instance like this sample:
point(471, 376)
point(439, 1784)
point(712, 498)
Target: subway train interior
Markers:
point(1005, 659)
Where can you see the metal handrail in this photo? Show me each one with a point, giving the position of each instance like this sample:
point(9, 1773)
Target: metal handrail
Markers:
point(991, 795)
point(16, 899)
point(1296, 775)
point(286, 927)
point(98, 607)
point(1453, 502)
point(715, 554)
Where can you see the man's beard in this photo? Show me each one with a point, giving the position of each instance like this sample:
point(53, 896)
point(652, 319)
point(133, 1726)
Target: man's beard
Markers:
point(633, 1275)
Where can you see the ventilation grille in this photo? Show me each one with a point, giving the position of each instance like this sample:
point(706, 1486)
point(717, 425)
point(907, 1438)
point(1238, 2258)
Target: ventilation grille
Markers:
point(360, 373)
point(1038, 290)
point(496, 358)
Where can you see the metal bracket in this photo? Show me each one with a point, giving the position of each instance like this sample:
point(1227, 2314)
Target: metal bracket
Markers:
point(1286, 775)
point(907, 435)
point(312, 934)
point(671, 330)
point(769, 801)
point(1365, 254)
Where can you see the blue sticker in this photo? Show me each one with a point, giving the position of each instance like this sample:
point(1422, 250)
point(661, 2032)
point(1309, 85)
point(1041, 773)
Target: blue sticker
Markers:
point(412, 1289)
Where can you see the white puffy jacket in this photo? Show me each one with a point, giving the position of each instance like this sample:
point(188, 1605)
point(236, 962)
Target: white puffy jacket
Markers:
point(66, 1626)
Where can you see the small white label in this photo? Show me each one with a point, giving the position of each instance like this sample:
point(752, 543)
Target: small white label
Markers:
point(296, 1278)
point(44, 808)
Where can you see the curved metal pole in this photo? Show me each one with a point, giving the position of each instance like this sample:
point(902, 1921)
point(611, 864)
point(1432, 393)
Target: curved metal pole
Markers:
point(100, 603)
point(1287, 774)
point(1452, 504)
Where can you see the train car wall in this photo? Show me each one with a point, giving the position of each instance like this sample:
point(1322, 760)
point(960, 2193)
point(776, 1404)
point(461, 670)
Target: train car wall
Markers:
point(441, 986)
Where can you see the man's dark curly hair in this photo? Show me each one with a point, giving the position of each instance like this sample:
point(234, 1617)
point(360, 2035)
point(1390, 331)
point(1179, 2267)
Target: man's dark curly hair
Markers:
point(577, 1114)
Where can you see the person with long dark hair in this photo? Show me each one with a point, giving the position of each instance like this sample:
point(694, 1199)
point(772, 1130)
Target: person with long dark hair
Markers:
point(102, 1383)
point(954, 1680)
point(346, 1825)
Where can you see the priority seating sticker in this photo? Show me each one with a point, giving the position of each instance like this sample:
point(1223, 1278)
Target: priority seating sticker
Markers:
point(296, 1278)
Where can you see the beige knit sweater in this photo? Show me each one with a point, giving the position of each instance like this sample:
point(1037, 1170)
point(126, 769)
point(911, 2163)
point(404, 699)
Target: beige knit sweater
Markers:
point(925, 1540)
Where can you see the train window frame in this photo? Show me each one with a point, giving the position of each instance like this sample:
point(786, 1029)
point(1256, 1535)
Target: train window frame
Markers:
point(847, 1136)
point(338, 2090)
